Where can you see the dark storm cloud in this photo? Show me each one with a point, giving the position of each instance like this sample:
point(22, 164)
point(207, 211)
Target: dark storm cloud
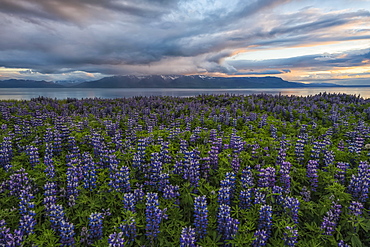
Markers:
point(77, 10)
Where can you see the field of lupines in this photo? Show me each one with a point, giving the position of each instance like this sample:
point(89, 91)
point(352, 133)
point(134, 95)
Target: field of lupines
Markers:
point(225, 170)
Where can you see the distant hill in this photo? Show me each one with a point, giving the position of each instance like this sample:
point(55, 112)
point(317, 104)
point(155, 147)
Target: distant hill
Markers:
point(167, 81)
point(14, 83)
point(193, 81)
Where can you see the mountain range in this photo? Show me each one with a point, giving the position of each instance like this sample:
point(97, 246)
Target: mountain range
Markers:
point(167, 81)
point(14, 83)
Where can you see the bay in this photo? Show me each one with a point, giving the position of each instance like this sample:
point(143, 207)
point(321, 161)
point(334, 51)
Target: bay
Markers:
point(108, 93)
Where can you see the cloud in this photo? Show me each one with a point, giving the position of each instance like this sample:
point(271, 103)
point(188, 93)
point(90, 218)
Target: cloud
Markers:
point(55, 37)
point(263, 72)
point(78, 11)
point(326, 60)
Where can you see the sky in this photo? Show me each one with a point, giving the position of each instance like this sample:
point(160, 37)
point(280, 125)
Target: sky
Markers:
point(305, 41)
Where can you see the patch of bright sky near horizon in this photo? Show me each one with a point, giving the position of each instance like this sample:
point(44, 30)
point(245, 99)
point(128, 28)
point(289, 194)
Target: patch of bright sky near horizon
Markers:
point(288, 52)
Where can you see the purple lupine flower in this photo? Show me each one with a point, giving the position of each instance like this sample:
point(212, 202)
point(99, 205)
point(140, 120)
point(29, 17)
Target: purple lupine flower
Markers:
point(57, 143)
point(227, 226)
point(238, 145)
point(213, 135)
point(315, 151)
point(259, 196)
point(341, 145)
point(213, 156)
point(33, 155)
point(245, 198)
point(49, 200)
point(273, 131)
point(183, 146)
point(340, 175)
point(72, 184)
point(331, 219)
point(341, 243)
point(205, 166)
point(359, 143)
point(171, 191)
point(356, 208)
point(27, 223)
point(50, 194)
point(50, 189)
point(277, 192)
point(154, 171)
point(261, 238)
point(291, 205)
point(66, 232)
point(246, 179)
point(281, 156)
point(128, 228)
point(235, 163)
point(18, 182)
point(224, 196)
point(25, 204)
point(48, 136)
point(187, 238)
point(10, 239)
point(312, 167)
point(96, 144)
point(285, 176)
point(191, 170)
point(290, 236)
point(6, 153)
point(154, 216)
point(119, 178)
point(263, 121)
point(89, 172)
point(95, 226)
point(60, 224)
point(229, 181)
point(139, 156)
point(14, 239)
point(164, 156)
point(266, 177)
point(200, 216)
point(299, 149)
point(116, 240)
point(129, 201)
point(265, 218)
point(328, 158)
point(117, 140)
point(254, 151)
point(359, 184)
point(49, 163)
point(306, 194)
point(227, 188)
point(139, 193)
point(56, 215)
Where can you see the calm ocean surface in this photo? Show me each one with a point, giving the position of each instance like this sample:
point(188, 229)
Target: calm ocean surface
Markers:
point(63, 93)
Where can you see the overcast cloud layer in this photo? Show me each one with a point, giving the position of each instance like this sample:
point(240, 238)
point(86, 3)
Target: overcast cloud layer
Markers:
point(299, 40)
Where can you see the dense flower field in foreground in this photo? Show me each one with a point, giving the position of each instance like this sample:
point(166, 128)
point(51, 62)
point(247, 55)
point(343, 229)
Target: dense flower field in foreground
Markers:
point(225, 170)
